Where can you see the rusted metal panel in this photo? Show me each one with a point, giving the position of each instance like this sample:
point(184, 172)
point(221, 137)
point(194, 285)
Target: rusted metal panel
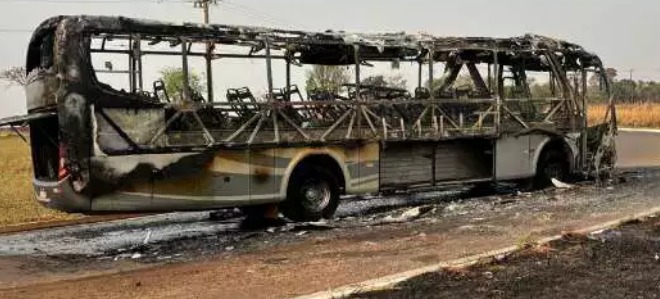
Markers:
point(21, 120)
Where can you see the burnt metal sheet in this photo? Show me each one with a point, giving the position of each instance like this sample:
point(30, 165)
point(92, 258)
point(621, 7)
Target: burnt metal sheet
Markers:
point(24, 120)
point(318, 46)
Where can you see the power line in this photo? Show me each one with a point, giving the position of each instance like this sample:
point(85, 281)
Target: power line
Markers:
point(204, 5)
point(257, 14)
point(93, 1)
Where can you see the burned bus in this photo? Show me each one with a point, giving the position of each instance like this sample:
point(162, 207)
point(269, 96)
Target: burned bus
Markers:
point(98, 148)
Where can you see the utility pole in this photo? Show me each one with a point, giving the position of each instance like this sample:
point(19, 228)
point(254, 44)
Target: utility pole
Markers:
point(632, 87)
point(210, 46)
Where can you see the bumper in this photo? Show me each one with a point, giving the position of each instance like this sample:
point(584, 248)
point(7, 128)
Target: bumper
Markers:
point(60, 196)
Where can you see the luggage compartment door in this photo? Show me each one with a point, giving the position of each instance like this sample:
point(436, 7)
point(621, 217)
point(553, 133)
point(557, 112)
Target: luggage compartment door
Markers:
point(406, 164)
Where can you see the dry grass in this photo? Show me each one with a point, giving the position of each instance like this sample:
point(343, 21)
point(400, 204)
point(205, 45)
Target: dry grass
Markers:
point(17, 204)
point(629, 115)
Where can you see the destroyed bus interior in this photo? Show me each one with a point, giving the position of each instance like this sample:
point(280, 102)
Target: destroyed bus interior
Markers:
point(152, 88)
point(481, 87)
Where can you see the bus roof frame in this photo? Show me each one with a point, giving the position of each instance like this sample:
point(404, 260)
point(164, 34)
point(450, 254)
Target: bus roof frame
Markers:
point(403, 46)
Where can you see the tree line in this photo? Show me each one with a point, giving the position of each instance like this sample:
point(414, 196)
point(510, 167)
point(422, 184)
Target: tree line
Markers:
point(624, 90)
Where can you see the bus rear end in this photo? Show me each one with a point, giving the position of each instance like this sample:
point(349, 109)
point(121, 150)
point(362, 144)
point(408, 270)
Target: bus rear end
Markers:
point(58, 183)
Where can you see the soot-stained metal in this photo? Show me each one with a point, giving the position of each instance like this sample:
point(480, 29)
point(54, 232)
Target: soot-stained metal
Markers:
point(138, 134)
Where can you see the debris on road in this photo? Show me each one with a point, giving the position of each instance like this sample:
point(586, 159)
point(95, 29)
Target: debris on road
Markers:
point(146, 239)
point(605, 235)
point(408, 215)
point(561, 185)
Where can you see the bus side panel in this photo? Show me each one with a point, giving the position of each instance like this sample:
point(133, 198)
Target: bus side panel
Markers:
point(233, 177)
point(364, 168)
point(192, 181)
point(226, 178)
point(513, 158)
point(358, 165)
point(153, 182)
point(267, 167)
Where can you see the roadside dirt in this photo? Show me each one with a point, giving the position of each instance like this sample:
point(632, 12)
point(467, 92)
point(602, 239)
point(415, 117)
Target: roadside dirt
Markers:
point(293, 260)
point(618, 263)
point(23, 227)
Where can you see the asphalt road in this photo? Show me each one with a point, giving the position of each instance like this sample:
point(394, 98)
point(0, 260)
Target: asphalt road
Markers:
point(638, 148)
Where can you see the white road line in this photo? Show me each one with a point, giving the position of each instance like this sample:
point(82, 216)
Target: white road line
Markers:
point(641, 130)
point(390, 280)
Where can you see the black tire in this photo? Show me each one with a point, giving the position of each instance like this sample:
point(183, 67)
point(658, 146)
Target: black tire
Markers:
point(313, 194)
point(551, 164)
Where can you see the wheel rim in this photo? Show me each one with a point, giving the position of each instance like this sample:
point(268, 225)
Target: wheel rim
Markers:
point(316, 195)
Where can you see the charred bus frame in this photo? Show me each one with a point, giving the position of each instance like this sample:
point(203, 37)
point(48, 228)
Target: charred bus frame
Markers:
point(365, 142)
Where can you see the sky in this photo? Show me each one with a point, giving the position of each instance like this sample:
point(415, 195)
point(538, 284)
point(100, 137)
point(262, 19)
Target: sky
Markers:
point(622, 33)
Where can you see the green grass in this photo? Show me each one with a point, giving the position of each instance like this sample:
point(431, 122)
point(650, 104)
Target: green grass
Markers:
point(17, 204)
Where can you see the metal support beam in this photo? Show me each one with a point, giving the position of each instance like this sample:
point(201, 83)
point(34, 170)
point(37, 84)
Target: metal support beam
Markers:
point(243, 127)
point(269, 70)
point(186, 78)
point(288, 80)
point(498, 92)
point(419, 74)
point(356, 55)
point(131, 66)
point(209, 71)
point(137, 49)
point(585, 125)
point(431, 74)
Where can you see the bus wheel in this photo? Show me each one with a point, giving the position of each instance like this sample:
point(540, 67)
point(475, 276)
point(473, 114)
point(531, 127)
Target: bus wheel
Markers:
point(313, 194)
point(552, 164)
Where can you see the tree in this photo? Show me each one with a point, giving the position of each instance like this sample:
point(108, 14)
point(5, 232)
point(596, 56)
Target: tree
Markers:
point(611, 73)
point(15, 76)
point(463, 81)
point(173, 78)
point(326, 78)
point(378, 81)
point(396, 81)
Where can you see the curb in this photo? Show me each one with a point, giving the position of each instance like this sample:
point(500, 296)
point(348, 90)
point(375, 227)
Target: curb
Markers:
point(390, 280)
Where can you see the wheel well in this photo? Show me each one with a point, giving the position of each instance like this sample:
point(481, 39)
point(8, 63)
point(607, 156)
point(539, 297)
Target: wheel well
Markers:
point(328, 163)
point(558, 145)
